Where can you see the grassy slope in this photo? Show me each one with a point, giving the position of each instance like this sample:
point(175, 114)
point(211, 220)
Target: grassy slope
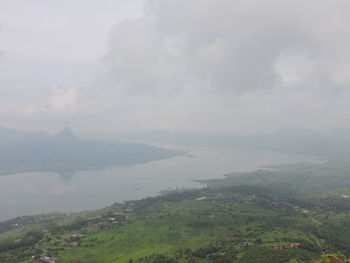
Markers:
point(166, 227)
point(233, 224)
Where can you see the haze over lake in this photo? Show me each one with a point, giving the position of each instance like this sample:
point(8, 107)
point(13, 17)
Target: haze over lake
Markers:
point(41, 192)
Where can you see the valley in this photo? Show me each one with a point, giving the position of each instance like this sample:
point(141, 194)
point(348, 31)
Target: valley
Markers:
point(233, 223)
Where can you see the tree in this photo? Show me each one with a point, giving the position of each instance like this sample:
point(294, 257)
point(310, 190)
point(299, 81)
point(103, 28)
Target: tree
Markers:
point(333, 258)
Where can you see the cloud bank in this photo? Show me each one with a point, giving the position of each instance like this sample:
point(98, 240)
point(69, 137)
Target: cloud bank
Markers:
point(233, 45)
point(220, 66)
point(231, 65)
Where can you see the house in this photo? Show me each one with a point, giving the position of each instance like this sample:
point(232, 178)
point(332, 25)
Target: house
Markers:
point(292, 245)
point(295, 245)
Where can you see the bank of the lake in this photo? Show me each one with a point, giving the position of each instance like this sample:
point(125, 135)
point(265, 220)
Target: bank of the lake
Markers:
point(42, 192)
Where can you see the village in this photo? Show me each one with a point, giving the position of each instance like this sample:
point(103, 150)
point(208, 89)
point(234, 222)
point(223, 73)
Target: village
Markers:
point(183, 216)
point(65, 240)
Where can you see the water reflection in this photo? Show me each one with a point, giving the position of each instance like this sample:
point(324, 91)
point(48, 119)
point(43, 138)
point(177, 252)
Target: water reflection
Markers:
point(39, 192)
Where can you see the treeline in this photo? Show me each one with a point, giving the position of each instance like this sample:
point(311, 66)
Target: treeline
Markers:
point(293, 180)
point(29, 239)
point(155, 258)
point(333, 258)
point(29, 220)
point(226, 252)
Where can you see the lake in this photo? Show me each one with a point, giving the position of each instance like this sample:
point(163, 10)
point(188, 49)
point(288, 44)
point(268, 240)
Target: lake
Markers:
point(42, 192)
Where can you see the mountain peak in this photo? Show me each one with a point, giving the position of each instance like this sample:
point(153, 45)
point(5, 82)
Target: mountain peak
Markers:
point(66, 134)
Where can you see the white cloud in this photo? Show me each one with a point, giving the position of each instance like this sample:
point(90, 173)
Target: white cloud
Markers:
point(27, 111)
point(231, 45)
point(198, 65)
point(63, 100)
point(58, 101)
point(293, 67)
point(209, 65)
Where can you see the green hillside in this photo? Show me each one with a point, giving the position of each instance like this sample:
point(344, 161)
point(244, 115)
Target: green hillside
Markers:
point(237, 223)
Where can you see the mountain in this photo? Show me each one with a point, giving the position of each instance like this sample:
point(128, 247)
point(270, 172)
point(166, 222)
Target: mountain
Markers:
point(10, 136)
point(65, 153)
point(65, 135)
point(334, 144)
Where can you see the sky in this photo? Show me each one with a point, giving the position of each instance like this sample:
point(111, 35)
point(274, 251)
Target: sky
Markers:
point(174, 65)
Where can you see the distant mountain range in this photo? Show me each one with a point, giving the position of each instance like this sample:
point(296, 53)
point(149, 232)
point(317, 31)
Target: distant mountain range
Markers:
point(334, 144)
point(66, 154)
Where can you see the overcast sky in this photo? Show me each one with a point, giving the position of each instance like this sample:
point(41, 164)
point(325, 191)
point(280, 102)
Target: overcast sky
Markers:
point(174, 65)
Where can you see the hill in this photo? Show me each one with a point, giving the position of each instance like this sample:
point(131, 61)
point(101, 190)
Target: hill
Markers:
point(65, 153)
point(334, 144)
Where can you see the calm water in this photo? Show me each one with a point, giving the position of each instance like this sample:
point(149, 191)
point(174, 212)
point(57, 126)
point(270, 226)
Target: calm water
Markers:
point(41, 192)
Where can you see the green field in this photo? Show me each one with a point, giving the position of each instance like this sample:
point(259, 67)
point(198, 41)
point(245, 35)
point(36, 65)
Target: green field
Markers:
point(237, 223)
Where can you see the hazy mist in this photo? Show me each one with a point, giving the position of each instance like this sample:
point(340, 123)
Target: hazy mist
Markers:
point(174, 65)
